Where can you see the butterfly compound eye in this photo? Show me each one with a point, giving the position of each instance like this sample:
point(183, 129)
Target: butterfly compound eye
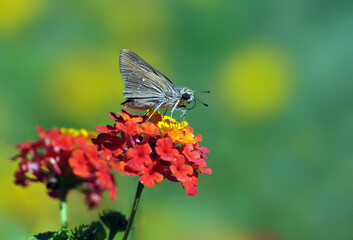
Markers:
point(185, 96)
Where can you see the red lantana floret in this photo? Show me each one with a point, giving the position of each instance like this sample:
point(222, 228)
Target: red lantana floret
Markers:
point(152, 174)
point(154, 150)
point(138, 157)
point(66, 159)
point(165, 149)
point(181, 171)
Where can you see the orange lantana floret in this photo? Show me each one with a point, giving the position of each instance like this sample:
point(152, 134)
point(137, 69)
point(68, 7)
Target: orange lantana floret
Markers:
point(150, 129)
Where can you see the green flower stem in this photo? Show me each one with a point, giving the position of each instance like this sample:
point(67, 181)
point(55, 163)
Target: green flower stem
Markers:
point(134, 209)
point(111, 234)
point(63, 214)
point(63, 207)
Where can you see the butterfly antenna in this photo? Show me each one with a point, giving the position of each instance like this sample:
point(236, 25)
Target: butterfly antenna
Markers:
point(206, 105)
point(203, 91)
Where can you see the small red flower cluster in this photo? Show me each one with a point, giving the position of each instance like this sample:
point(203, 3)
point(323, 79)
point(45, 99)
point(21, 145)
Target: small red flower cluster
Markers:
point(160, 148)
point(65, 159)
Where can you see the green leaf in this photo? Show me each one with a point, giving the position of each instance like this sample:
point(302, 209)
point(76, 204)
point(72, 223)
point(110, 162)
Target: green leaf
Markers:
point(42, 236)
point(62, 234)
point(99, 230)
point(86, 232)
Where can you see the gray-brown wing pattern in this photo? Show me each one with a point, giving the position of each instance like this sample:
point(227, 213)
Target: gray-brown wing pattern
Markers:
point(142, 81)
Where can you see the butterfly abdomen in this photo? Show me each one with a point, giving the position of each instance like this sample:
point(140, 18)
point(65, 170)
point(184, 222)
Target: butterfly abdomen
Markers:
point(139, 104)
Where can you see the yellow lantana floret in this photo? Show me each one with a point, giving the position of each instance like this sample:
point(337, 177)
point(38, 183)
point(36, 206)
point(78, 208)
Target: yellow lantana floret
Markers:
point(77, 132)
point(176, 131)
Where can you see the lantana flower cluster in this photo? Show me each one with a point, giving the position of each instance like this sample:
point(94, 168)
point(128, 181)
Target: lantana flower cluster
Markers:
point(153, 150)
point(65, 159)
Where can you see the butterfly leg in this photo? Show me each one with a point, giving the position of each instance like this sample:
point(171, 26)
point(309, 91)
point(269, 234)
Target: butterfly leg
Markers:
point(165, 112)
point(183, 114)
point(155, 110)
point(171, 113)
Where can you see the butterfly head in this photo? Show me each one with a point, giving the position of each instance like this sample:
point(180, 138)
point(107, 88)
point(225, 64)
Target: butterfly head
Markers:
point(187, 95)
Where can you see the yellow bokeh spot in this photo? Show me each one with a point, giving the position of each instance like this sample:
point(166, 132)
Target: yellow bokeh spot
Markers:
point(83, 85)
point(15, 14)
point(256, 82)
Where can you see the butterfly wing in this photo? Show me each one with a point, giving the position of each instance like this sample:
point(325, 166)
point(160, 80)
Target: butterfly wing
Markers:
point(142, 81)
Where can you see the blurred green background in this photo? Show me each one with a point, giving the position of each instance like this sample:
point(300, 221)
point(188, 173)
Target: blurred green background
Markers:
point(279, 125)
